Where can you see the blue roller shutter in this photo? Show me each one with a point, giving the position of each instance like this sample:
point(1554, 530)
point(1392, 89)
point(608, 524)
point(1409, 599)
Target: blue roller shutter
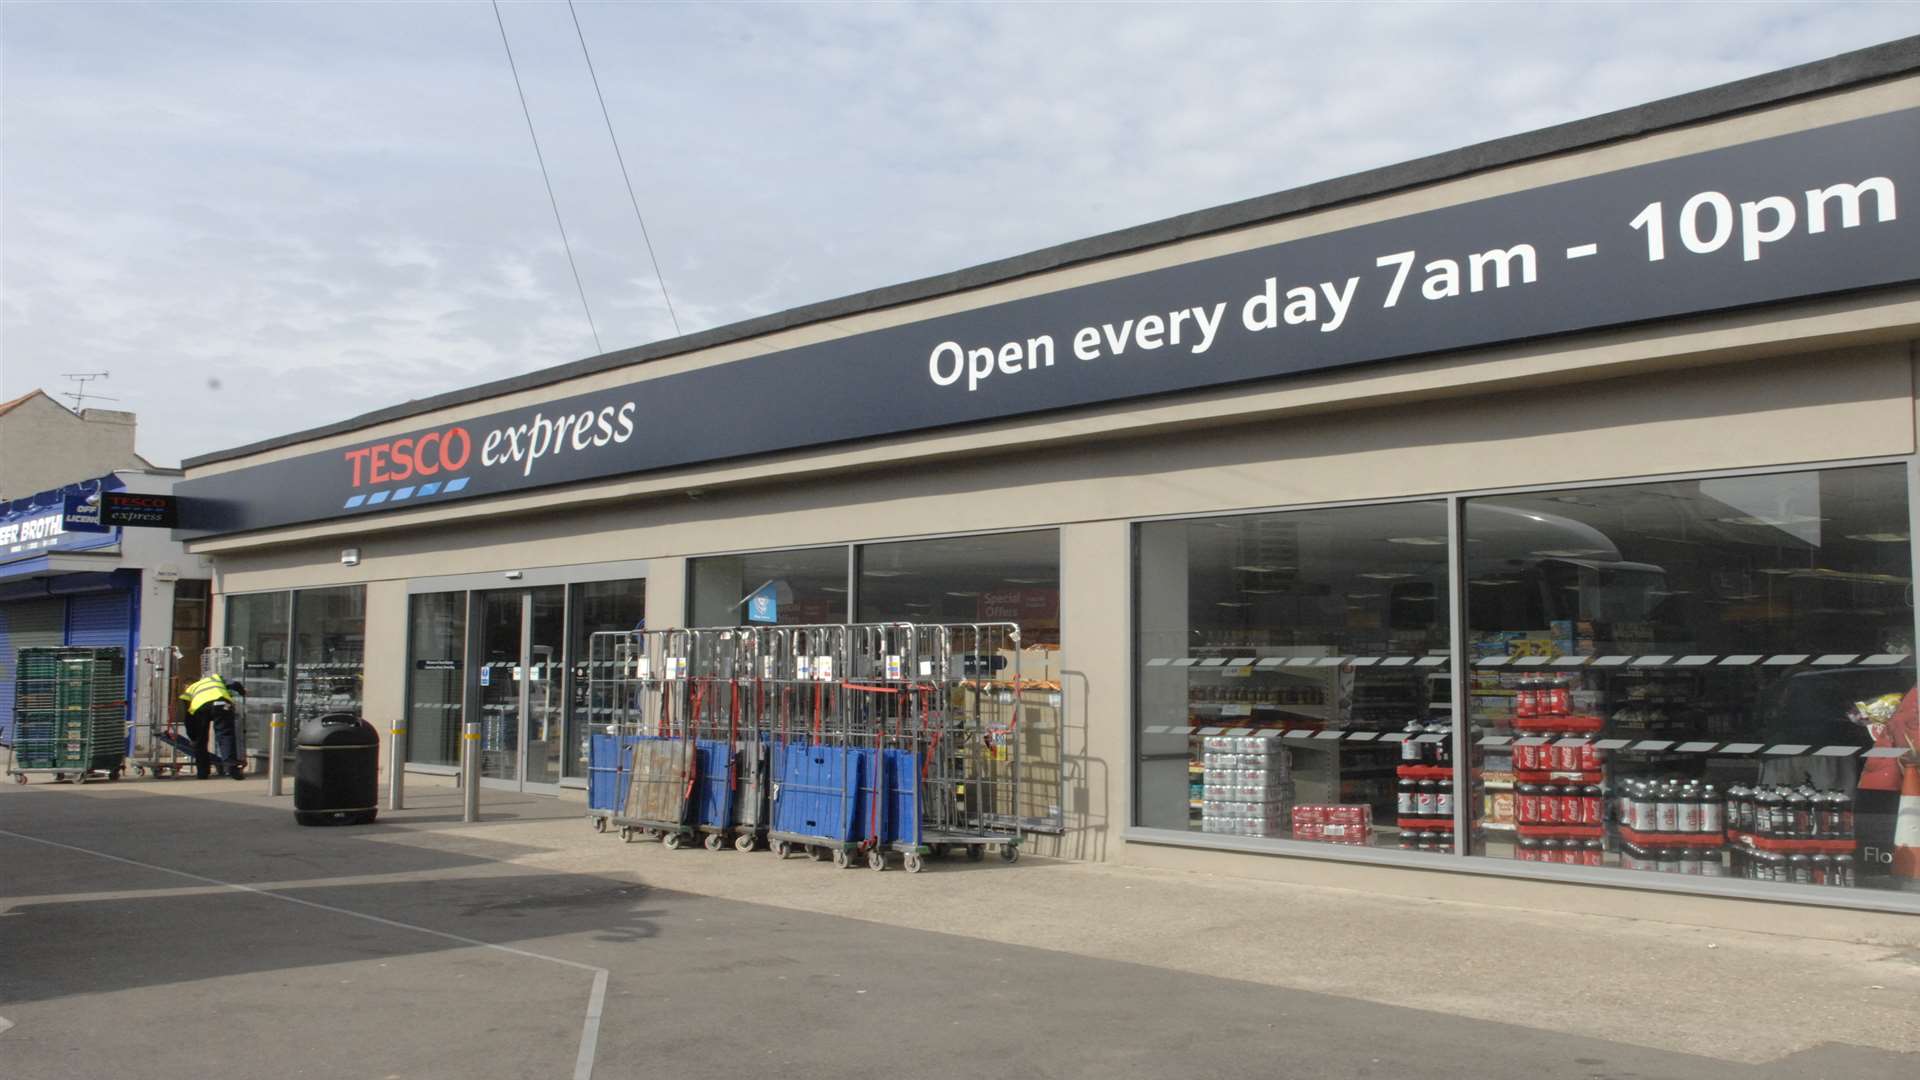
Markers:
point(106, 619)
point(101, 619)
point(28, 624)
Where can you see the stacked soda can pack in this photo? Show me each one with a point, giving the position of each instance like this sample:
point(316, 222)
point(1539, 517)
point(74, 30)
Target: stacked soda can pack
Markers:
point(1248, 786)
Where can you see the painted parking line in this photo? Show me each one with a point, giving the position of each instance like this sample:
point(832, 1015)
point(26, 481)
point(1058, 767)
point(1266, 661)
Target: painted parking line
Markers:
point(596, 999)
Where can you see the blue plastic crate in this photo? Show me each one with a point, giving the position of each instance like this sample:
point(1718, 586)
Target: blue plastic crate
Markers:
point(817, 791)
point(715, 784)
point(607, 757)
point(903, 797)
point(890, 784)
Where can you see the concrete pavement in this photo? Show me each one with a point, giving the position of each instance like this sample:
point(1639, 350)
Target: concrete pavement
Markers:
point(423, 948)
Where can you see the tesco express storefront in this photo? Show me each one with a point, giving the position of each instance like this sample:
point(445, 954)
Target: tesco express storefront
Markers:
point(1530, 517)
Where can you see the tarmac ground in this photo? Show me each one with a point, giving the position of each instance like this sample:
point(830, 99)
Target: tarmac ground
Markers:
point(181, 928)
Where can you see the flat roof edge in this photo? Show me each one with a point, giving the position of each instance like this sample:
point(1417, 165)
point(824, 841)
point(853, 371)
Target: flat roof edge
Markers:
point(1872, 64)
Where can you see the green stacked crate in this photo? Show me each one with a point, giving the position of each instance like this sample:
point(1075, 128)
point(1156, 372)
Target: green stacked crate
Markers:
point(70, 709)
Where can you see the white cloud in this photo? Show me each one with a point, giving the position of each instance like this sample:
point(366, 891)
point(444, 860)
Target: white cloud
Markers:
point(333, 208)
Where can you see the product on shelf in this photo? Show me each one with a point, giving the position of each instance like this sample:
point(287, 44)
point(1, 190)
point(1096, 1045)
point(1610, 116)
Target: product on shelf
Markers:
point(1334, 823)
point(1246, 785)
point(1798, 835)
point(1424, 788)
point(1543, 703)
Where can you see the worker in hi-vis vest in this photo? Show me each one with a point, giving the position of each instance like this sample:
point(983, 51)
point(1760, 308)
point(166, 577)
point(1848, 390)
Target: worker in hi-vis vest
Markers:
point(209, 702)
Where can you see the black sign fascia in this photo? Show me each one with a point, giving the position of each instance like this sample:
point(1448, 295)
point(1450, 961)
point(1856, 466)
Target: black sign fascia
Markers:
point(138, 509)
point(1784, 218)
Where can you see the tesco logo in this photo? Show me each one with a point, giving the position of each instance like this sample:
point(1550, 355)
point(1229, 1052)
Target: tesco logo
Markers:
point(411, 455)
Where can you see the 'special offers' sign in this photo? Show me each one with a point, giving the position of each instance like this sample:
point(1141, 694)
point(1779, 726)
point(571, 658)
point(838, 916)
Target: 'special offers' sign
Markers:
point(1784, 218)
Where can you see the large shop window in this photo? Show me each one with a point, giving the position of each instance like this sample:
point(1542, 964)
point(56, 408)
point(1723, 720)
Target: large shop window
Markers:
point(258, 623)
point(329, 650)
point(1293, 676)
point(596, 607)
point(1709, 677)
point(804, 586)
point(999, 578)
point(437, 649)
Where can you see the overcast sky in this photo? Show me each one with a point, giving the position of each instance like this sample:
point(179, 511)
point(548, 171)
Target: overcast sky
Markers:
point(330, 208)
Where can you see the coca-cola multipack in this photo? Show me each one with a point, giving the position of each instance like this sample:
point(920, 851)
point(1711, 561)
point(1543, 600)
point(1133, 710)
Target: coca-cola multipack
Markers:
point(1334, 823)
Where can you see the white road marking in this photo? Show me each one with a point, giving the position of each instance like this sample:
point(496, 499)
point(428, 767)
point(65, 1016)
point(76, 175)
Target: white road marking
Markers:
point(596, 999)
point(1581, 251)
point(6, 1025)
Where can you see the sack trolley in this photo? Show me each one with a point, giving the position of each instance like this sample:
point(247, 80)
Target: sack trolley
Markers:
point(662, 765)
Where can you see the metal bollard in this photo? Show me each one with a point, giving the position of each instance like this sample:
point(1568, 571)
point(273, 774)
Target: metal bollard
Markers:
point(396, 769)
point(470, 774)
point(276, 754)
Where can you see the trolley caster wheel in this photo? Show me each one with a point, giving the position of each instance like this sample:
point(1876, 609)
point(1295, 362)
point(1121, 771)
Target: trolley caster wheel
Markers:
point(141, 771)
point(1010, 853)
point(912, 862)
point(975, 853)
point(113, 774)
point(19, 778)
point(781, 849)
point(841, 860)
point(716, 842)
point(600, 824)
point(743, 842)
point(79, 778)
point(815, 853)
point(939, 851)
point(626, 834)
point(876, 860)
point(671, 841)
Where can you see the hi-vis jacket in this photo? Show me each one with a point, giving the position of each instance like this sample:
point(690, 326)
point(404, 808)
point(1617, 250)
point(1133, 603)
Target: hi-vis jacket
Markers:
point(204, 692)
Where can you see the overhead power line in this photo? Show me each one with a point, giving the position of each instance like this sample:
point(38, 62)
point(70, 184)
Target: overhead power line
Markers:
point(528, 113)
point(658, 276)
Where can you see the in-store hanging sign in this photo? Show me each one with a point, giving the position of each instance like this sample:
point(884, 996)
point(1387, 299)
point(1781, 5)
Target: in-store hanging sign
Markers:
point(1783, 218)
point(763, 606)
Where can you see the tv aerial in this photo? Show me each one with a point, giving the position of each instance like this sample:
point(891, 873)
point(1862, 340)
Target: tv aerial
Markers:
point(79, 394)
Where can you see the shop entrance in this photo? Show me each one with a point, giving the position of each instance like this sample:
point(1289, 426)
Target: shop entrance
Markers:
point(522, 693)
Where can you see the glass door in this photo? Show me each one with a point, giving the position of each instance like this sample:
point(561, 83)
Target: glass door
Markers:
point(502, 646)
point(521, 643)
point(542, 691)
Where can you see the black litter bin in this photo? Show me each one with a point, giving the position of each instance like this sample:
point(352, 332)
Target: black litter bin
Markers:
point(336, 771)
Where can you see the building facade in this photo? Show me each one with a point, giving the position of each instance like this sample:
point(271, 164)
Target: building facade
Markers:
point(1498, 499)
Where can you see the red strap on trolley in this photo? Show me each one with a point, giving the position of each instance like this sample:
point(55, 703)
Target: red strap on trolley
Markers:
point(733, 737)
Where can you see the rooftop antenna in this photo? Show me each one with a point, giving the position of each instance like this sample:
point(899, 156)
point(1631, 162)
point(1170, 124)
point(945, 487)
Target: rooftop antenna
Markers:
point(79, 394)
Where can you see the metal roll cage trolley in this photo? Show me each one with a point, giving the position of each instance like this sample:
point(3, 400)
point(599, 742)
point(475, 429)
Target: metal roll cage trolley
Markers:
point(160, 747)
point(855, 742)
